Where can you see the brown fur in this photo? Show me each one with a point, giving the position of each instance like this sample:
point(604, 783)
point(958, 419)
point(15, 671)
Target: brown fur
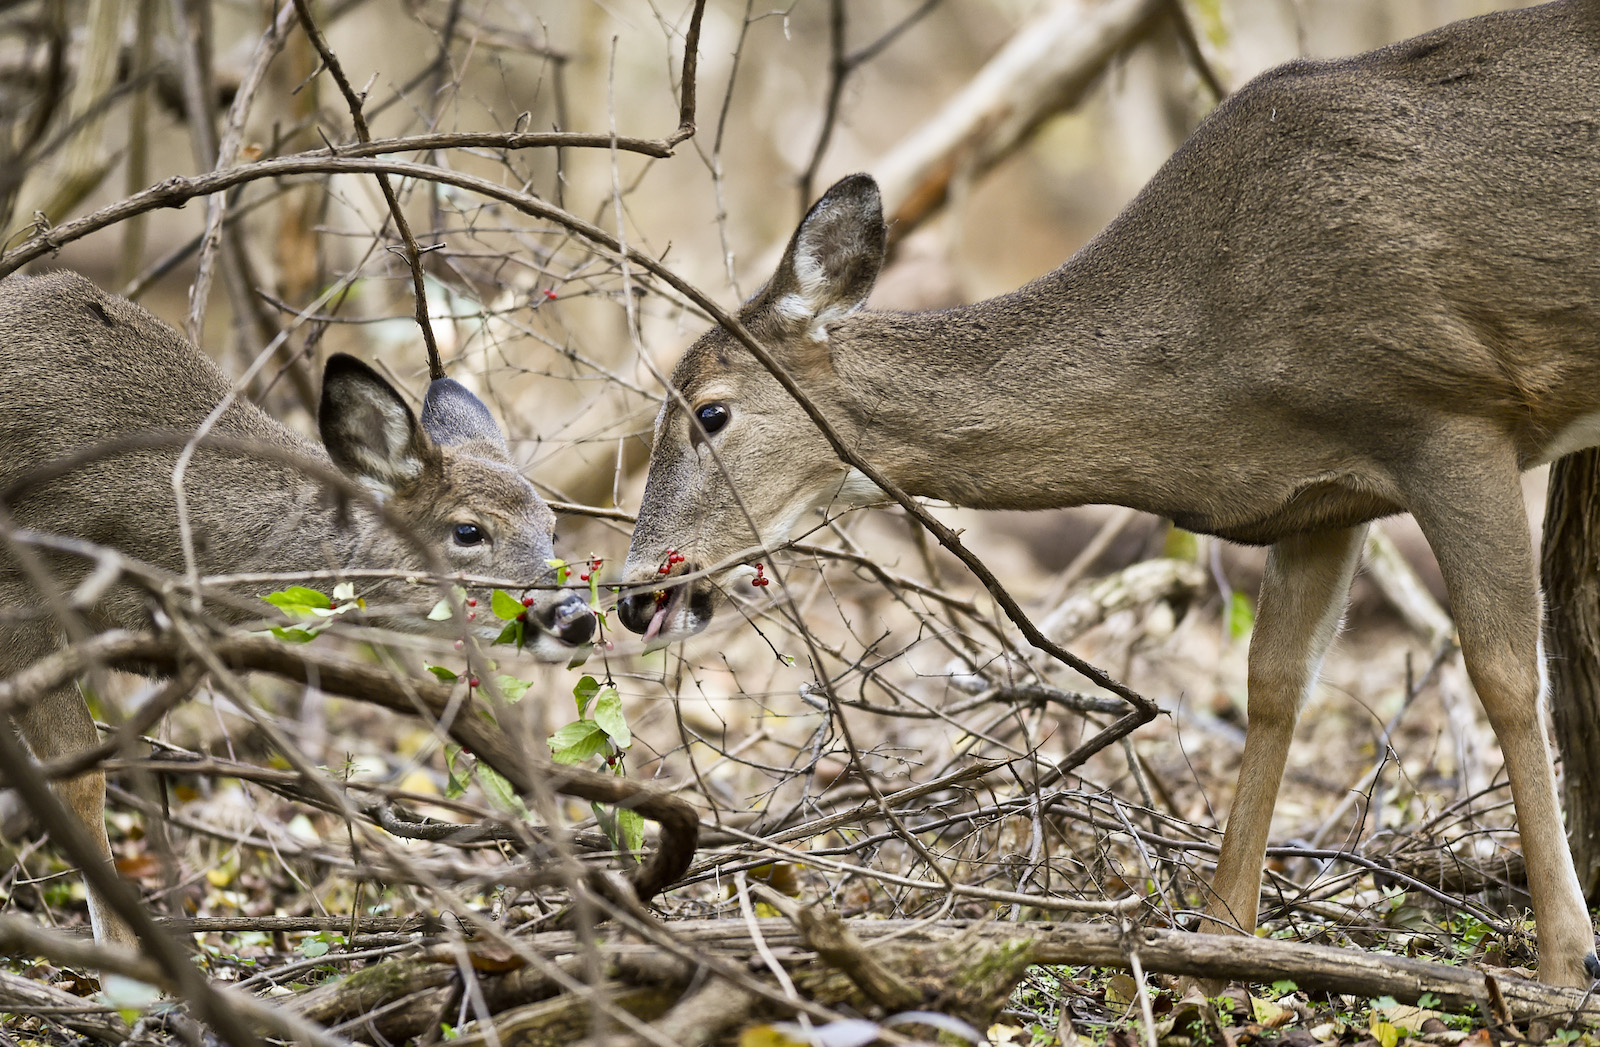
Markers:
point(80, 369)
point(1362, 287)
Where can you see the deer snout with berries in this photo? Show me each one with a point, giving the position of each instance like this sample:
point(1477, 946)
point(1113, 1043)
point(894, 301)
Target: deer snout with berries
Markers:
point(736, 465)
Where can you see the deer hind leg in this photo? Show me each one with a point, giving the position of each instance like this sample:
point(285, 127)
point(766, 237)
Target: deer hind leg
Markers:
point(1478, 528)
point(1303, 595)
point(56, 725)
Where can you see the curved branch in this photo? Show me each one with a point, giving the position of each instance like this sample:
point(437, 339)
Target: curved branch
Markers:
point(144, 652)
point(174, 192)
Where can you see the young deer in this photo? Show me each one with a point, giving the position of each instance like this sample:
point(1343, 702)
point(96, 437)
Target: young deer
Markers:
point(81, 370)
point(1362, 287)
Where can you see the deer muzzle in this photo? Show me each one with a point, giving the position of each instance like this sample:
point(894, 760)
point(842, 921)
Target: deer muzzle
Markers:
point(674, 610)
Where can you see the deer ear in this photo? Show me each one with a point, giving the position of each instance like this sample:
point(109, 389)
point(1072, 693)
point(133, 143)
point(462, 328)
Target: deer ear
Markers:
point(367, 428)
point(833, 259)
point(452, 415)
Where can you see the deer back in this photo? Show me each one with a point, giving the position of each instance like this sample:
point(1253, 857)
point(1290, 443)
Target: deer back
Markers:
point(1348, 263)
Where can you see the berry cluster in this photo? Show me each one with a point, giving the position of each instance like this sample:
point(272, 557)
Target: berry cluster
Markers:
point(673, 559)
point(594, 565)
point(760, 579)
point(471, 603)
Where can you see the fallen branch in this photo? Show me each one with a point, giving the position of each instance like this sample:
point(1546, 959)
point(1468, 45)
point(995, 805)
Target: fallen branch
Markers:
point(335, 674)
point(25, 996)
point(24, 937)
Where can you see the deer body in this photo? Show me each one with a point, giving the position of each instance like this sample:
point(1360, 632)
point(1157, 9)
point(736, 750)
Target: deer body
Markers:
point(81, 372)
point(1362, 287)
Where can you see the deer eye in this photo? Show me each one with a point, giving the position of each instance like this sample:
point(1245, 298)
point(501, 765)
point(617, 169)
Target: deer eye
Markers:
point(469, 534)
point(712, 417)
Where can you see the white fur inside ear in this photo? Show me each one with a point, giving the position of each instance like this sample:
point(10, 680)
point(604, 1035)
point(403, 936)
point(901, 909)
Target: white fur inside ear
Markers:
point(800, 310)
point(380, 490)
point(814, 304)
point(793, 306)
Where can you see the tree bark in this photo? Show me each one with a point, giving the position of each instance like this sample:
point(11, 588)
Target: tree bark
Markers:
point(1570, 571)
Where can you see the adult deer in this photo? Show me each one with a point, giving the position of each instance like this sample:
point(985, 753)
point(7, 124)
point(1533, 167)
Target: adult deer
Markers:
point(88, 379)
point(1362, 287)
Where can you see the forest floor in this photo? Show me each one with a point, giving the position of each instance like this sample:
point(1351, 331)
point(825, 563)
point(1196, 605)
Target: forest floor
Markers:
point(917, 857)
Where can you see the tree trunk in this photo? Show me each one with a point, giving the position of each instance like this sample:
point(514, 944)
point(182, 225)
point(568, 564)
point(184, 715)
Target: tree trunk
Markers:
point(1570, 571)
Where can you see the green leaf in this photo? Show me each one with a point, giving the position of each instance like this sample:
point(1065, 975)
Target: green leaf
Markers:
point(442, 673)
point(577, 741)
point(498, 790)
point(630, 825)
point(298, 596)
point(441, 612)
point(455, 784)
point(511, 634)
point(608, 715)
point(315, 946)
point(293, 635)
point(583, 691)
point(561, 569)
point(505, 605)
point(1241, 615)
point(510, 687)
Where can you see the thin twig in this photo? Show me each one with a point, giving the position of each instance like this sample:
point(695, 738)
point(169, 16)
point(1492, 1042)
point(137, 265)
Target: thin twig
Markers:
point(413, 252)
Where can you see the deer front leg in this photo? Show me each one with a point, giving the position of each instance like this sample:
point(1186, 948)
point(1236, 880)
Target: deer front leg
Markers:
point(59, 724)
point(1303, 595)
point(1479, 534)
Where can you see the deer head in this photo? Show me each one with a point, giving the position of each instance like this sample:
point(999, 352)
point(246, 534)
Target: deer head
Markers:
point(451, 480)
point(736, 463)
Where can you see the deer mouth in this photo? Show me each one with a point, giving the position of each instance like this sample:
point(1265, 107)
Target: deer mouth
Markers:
point(554, 629)
point(665, 600)
point(674, 611)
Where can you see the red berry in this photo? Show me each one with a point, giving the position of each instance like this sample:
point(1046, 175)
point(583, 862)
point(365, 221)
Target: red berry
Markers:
point(527, 601)
point(472, 681)
point(522, 617)
point(663, 569)
point(472, 603)
point(550, 293)
point(459, 645)
point(584, 577)
point(759, 568)
point(471, 615)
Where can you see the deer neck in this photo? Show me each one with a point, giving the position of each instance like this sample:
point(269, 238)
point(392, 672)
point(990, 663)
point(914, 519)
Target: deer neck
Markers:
point(1025, 401)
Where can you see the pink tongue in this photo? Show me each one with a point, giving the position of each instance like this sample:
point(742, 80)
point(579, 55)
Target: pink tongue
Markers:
point(657, 620)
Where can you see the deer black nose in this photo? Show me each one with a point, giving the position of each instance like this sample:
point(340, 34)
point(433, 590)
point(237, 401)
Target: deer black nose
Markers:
point(571, 621)
point(635, 610)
